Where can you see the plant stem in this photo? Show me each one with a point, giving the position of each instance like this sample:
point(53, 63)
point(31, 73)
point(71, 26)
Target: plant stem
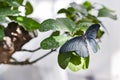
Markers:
point(30, 50)
point(27, 62)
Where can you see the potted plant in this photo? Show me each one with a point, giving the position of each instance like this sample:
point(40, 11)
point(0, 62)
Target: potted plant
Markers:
point(71, 34)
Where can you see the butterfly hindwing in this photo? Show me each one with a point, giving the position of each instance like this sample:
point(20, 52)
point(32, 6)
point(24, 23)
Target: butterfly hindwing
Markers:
point(94, 45)
point(78, 45)
point(91, 35)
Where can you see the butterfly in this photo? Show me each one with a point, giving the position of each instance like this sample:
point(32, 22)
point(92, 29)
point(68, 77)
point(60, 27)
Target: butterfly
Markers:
point(80, 45)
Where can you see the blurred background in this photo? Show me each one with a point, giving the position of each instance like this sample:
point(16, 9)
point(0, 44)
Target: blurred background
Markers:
point(105, 65)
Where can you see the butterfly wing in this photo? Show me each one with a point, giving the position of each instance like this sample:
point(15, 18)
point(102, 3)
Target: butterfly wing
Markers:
point(77, 44)
point(94, 45)
point(91, 35)
point(92, 31)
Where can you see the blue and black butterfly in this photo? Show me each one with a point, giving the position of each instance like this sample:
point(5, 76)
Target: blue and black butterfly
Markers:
point(79, 44)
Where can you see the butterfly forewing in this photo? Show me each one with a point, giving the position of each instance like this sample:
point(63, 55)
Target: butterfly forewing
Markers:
point(91, 35)
point(78, 45)
point(92, 31)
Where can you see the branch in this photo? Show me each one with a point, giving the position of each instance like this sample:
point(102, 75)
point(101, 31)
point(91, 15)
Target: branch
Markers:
point(27, 62)
point(30, 50)
point(14, 59)
point(20, 63)
point(43, 56)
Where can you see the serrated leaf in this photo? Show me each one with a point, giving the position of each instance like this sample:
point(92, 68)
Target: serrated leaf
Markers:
point(28, 24)
point(58, 24)
point(53, 42)
point(2, 34)
point(77, 63)
point(87, 5)
point(28, 8)
point(63, 59)
point(105, 12)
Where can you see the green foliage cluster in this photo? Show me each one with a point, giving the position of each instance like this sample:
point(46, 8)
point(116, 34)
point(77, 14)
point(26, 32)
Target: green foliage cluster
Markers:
point(9, 11)
point(78, 18)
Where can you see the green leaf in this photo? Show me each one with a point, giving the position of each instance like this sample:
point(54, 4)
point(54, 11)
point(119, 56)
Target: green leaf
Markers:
point(87, 5)
point(2, 34)
point(81, 28)
point(66, 24)
point(3, 4)
point(69, 12)
point(105, 12)
point(85, 62)
point(78, 32)
point(93, 18)
point(63, 59)
point(49, 24)
point(14, 3)
point(53, 42)
point(55, 33)
point(75, 59)
point(86, 19)
point(27, 23)
point(2, 19)
point(79, 8)
point(4, 12)
point(19, 1)
point(77, 63)
point(61, 39)
point(58, 24)
point(100, 34)
point(63, 11)
point(49, 43)
point(8, 12)
point(71, 9)
point(28, 8)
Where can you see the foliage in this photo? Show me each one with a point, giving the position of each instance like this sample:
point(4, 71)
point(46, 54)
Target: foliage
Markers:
point(1, 32)
point(78, 19)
